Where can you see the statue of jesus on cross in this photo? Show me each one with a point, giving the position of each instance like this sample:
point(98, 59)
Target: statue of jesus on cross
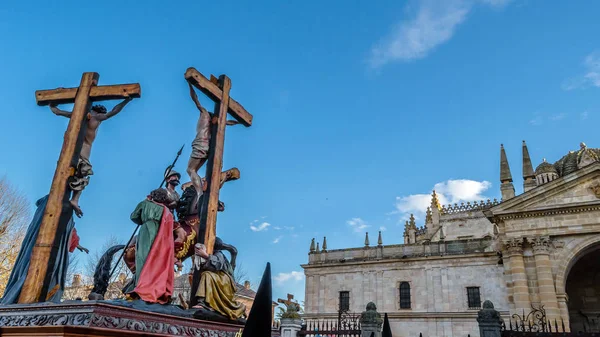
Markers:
point(96, 116)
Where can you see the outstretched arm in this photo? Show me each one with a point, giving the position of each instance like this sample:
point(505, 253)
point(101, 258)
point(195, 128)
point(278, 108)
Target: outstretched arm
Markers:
point(115, 110)
point(195, 97)
point(230, 122)
point(59, 112)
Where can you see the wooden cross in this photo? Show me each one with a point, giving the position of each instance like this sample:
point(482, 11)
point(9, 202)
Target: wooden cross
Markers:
point(229, 175)
point(289, 300)
point(218, 91)
point(58, 209)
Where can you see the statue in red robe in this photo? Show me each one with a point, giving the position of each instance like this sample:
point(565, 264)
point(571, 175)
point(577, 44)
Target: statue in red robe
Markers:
point(154, 251)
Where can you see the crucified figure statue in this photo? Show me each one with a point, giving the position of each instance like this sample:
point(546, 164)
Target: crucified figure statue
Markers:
point(81, 178)
point(200, 145)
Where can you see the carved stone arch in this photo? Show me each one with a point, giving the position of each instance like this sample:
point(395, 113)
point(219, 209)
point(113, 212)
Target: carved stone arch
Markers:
point(572, 252)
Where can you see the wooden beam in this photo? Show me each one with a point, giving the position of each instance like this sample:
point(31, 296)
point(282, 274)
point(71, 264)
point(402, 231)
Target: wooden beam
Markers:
point(215, 93)
point(58, 209)
point(101, 93)
point(214, 166)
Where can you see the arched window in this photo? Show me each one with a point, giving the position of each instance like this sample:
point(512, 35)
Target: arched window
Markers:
point(404, 295)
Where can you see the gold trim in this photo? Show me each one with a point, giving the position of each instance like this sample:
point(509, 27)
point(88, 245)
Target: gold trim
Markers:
point(186, 245)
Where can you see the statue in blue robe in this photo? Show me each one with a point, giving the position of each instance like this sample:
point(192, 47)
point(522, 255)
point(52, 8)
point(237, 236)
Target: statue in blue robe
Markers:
point(58, 268)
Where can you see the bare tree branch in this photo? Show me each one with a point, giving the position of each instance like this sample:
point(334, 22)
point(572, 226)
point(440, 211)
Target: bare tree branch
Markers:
point(80, 279)
point(15, 212)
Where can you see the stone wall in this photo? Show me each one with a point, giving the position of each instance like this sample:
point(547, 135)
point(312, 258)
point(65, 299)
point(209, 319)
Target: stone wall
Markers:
point(466, 225)
point(438, 291)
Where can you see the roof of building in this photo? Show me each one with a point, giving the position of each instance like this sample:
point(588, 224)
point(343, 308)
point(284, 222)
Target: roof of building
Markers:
point(243, 291)
point(545, 167)
point(569, 162)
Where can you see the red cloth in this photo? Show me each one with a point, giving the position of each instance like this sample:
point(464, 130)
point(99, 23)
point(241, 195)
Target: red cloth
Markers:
point(155, 283)
point(73, 240)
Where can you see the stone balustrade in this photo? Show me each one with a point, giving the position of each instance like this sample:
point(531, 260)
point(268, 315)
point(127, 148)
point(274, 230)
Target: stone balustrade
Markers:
point(454, 247)
point(475, 206)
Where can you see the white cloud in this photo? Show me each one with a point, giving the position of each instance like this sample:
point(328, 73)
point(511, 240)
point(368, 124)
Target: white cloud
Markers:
point(276, 228)
point(558, 117)
point(277, 239)
point(295, 276)
point(382, 228)
point(450, 191)
point(591, 76)
point(462, 189)
point(538, 120)
point(584, 115)
point(358, 224)
point(262, 227)
point(496, 3)
point(434, 23)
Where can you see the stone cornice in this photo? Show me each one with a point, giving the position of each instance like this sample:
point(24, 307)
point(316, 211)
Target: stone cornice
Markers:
point(431, 258)
point(410, 314)
point(566, 209)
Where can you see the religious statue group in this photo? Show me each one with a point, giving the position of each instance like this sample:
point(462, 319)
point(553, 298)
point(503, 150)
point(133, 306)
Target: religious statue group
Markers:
point(164, 241)
point(170, 231)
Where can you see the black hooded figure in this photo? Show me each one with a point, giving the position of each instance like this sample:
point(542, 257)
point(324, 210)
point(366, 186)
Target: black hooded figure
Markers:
point(387, 331)
point(259, 320)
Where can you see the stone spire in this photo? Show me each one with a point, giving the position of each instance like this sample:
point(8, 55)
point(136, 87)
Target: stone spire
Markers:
point(379, 240)
point(435, 202)
point(317, 247)
point(435, 210)
point(367, 239)
point(324, 249)
point(529, 181)
point(506, 186)
point(312, 245)
point(411, 229)
point(428, 218)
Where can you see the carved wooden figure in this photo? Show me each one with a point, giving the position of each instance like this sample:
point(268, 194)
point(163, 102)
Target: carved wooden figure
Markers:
point(218, 91)
point(59, 209)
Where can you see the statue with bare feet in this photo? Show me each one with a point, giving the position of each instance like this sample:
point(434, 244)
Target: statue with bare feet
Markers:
point(200, 145)
point(83, 170)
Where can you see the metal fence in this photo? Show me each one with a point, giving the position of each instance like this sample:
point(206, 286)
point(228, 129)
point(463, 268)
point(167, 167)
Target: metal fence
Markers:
point(536, 324)
point(347, 325)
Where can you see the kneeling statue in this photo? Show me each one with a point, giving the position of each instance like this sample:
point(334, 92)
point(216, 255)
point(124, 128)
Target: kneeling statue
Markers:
point(216, 290)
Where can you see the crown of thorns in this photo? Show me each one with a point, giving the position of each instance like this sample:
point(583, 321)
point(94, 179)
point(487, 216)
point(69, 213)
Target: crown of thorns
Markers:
point(99, 108)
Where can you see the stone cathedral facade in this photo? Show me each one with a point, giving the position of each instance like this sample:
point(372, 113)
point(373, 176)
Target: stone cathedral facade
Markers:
point(541, 247)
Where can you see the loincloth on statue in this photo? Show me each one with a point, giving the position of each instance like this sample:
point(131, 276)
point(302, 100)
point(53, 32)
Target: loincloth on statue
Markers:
point(80, 178)
point(200, 148)
point(218, 291)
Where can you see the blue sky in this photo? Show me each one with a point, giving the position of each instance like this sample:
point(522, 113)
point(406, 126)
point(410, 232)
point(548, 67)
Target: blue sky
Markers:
point(359, 109)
